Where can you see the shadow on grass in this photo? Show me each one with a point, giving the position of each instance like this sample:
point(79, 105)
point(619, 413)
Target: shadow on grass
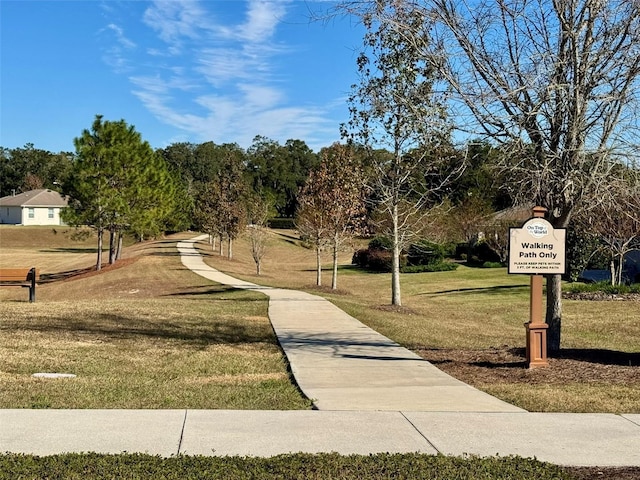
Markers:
point(471, 290)
point(113, 327)
point(601, 356)
point(76, 250)
point(214, 291)
point(516, 357)
point(58, 276)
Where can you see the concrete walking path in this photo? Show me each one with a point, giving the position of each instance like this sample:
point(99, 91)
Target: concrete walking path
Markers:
point(341, 364)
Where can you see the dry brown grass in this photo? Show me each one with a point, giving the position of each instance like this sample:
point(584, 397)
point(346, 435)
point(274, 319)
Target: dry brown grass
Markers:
point(144, 333)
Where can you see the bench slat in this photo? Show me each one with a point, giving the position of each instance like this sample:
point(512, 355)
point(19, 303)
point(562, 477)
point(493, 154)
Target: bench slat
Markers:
point(16, 274)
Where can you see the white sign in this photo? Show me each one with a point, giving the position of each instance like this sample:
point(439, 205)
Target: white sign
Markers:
point(537, 248)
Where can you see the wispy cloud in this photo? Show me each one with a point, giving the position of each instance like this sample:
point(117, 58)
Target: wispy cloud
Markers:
point(215, 79)
point(119, 48)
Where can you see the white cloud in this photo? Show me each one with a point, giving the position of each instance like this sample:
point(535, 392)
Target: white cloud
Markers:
point(176, 21)
point(120, 36)
point(219, 81)
point(262, 20)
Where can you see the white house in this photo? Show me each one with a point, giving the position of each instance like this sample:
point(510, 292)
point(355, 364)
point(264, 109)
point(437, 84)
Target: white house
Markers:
point(36, 207)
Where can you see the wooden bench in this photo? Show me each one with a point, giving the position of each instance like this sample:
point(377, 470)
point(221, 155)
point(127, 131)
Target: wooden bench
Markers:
point(20, 277)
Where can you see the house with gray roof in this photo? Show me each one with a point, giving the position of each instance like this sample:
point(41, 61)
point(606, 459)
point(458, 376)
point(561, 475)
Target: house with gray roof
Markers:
point(35, 207)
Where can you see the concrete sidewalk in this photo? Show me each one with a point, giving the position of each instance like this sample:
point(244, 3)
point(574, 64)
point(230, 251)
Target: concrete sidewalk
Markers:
point(341, 364)
point(372, 396)
point(564, 439)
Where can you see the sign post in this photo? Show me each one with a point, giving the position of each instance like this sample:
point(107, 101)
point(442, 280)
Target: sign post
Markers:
point(537, 249)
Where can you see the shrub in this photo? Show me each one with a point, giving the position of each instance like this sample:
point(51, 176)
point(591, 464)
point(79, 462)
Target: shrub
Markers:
point(492, 265)
point(443, 266)
point(428, 256)
point(281, 223)
point(424, 253)
point(381, 243)
point(604, 287)
point(360, 257)
point(479, 254)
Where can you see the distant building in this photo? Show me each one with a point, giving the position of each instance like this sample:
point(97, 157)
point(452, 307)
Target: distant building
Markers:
point(35, 207)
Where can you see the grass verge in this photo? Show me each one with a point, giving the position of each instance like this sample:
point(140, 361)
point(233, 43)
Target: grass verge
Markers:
point(293, 466)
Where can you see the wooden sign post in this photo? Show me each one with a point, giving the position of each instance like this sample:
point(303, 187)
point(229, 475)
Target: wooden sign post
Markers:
point(536, 249)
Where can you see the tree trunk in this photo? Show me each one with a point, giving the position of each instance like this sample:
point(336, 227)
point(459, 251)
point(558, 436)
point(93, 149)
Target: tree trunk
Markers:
point(318, 267)
point(554, 312)
point(395, 262)
point(554, 298)
point(334, 278)
point(229, 248)
point(620, 268)
point(112, 246)
point(258, 267)
point(99, 260)
point(119, 249)
point(220, 247)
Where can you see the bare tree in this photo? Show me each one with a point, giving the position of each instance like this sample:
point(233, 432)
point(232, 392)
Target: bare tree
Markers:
point(394, 108)
point(331, 204)
point(553, 81)
point(311, 220)
point(258, 212)
point(616, 222)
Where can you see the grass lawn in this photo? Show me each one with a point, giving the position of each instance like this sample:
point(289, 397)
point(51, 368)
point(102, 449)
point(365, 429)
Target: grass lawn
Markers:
point(148, 334)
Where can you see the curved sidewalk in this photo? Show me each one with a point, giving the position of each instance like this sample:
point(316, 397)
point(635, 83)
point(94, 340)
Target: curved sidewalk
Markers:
point(341, 364)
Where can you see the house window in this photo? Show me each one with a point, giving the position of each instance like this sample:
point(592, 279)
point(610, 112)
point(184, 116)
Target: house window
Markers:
point(31, 213)
point(51, 213)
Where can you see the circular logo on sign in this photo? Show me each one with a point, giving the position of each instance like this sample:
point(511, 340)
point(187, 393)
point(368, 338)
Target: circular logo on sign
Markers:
point(538, 229)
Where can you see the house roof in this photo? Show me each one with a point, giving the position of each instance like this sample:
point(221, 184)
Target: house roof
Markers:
point(35, 198)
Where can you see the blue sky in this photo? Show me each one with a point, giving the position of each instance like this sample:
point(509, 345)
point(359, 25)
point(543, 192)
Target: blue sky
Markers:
point(178, 70)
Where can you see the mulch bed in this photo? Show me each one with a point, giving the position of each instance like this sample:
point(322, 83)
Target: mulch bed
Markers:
point(507, 365)
point(610, 473)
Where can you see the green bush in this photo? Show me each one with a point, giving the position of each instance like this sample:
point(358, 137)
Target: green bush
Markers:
point(423, 256)
point(381, 243)
point(492, 265)
point(442, 266)
point(425, 253)
point(604, 287)
point(281, 223)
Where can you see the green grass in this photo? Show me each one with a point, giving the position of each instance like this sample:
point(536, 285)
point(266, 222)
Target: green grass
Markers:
point(292, 466)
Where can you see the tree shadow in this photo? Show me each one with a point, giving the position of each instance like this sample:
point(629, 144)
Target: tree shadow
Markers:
point(471, 290)
point(113, 327)
point(214, 291)
point(59, 276)
point(516, 357)
point(601, 356)
point(76, 250)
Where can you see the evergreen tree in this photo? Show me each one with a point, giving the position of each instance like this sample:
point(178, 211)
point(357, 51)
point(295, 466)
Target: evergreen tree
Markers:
point(117, 184)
